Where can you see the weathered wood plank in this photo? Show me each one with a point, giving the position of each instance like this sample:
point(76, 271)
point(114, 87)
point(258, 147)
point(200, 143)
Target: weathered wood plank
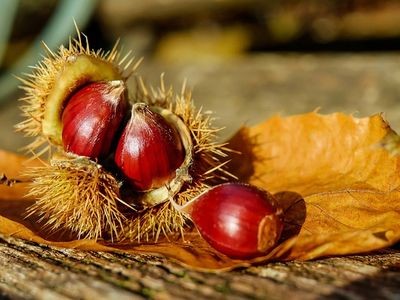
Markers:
point(32, 271)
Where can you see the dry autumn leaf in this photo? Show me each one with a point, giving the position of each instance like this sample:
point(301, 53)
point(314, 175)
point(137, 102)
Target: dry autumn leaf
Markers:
point(335, 181)
point(344, 183)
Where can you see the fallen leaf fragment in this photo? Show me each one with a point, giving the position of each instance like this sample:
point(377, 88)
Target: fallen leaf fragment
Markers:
point(338, 186)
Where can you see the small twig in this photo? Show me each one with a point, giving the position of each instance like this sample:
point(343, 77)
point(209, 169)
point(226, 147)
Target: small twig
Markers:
point(6, 181)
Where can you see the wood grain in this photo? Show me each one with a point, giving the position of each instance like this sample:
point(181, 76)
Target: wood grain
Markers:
point(33, 271)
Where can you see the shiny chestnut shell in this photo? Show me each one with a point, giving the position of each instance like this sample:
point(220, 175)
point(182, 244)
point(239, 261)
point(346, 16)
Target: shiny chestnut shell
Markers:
point(92, 117)
point(239, 220)
point(149, 150)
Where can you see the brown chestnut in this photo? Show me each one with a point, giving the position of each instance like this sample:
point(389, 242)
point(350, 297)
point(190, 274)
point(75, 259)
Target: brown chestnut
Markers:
point(149, 150)
point(91, 118)
point(237, 219)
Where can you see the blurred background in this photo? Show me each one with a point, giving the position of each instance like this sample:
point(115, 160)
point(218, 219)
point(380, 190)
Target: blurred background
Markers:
point(246, 60)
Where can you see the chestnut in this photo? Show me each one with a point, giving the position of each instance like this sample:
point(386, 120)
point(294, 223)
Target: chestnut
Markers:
point(92, 117)
point(149, 150)
point(237, 219)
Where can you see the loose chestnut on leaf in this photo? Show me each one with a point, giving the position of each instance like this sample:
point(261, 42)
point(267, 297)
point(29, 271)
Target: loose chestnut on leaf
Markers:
point(239, 220)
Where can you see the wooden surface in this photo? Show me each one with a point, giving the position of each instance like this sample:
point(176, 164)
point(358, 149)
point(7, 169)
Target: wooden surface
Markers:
point(32, 271)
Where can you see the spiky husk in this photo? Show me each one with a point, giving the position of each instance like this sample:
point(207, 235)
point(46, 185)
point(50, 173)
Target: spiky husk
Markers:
point(41, 82)
point(161, 220)
point(78, 195)
point(209, 159)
